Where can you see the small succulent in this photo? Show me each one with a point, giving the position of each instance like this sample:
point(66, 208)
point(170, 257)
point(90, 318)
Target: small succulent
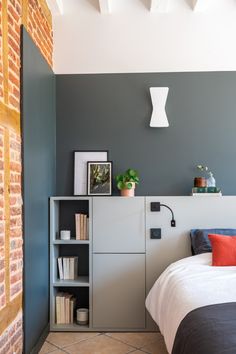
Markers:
point(124, 181)
point(204, 169)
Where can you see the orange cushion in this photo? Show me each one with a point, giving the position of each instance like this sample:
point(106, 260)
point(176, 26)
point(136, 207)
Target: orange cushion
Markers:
point(223, 250)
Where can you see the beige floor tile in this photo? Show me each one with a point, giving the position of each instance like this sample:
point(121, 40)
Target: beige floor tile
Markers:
point(47, 348)
point(137, 340)
point(138, 352)
point(99, 345)
point(63, 339)
point(157, 347)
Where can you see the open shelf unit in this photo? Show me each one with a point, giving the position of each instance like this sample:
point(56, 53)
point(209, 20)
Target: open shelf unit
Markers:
point(62, 217)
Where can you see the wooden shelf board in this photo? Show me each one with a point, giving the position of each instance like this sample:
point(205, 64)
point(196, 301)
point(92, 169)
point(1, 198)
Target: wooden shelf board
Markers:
point(81, 281)
point(71, 242)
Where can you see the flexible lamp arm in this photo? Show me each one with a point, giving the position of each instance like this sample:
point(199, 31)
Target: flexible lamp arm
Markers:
point(173, 222)
point(156, 206)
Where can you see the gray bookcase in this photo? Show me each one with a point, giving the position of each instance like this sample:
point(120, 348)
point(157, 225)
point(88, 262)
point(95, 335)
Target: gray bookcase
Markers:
point(111, 277)
point(62, 217)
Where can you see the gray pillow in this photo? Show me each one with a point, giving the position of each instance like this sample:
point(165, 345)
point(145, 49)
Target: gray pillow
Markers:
point(200, 241)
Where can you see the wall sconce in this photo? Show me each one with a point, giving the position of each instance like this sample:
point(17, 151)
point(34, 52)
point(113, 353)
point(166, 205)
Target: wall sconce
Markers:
point(159, 97)
point(156, 206)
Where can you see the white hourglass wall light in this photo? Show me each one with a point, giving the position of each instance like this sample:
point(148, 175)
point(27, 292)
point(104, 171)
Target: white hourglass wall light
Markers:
point(159, 97)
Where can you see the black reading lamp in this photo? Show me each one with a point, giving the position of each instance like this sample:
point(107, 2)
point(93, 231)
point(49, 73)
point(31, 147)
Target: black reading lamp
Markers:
point(156, 207)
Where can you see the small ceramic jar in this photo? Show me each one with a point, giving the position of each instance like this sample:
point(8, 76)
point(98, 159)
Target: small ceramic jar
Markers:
point(200, 182)
point(82, 316)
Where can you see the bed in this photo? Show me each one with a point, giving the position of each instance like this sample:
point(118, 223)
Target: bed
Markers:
point(194, 305)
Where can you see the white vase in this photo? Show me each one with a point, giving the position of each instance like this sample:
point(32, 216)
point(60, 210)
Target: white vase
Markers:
point(211, 182)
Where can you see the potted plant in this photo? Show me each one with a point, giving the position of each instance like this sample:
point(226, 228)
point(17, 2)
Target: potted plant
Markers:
point(126, 182)
point(210, 181)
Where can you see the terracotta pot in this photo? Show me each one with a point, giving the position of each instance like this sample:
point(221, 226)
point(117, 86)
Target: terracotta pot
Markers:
point(200, 182)
point(128, 192)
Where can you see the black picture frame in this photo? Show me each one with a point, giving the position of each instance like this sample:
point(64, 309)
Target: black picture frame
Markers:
point(103, 189)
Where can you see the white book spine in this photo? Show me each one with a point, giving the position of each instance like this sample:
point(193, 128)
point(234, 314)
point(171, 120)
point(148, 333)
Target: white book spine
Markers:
point(77, 227)
point(60, 268)
point(85, 227)
point(71, 261)
point(87, 235)
point(67, 308)
point(76, 262)
point(68, 268)
point(62, 309)
point(71, 311)
point(64, 268)
point(58, 319)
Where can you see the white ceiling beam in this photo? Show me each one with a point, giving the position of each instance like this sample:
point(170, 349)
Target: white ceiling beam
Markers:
point(159, 5)
point(55, 6)
point(200, 5)
point(105, 6)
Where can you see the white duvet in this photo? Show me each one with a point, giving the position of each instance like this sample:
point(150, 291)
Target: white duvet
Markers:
point(186, 285)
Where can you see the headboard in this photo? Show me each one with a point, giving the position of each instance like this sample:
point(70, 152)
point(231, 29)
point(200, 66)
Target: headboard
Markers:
point(190, 213)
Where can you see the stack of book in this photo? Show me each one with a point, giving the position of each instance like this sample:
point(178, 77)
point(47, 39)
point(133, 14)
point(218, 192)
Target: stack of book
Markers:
point(81, 227)
point(67, 268)
point(65, 305)
point(206, 191)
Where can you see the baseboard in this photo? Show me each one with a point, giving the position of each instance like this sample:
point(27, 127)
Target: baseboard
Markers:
point(40, 341)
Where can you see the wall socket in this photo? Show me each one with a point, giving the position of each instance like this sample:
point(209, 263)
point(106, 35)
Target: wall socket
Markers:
point(155, 233)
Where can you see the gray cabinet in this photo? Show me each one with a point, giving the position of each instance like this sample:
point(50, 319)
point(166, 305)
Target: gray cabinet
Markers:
point(119, 225)
point(119, 263)
point(119, 291)
point(111, 278)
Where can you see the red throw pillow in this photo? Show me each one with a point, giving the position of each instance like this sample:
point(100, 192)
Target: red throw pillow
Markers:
point(223, 250)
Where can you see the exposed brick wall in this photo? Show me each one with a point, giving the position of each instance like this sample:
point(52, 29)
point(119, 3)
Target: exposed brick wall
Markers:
point(36, 17)
point(1, 58)
point(11, 338)
point(14, 23)
point(16, 256)
point(40, 27)
point(2, 224)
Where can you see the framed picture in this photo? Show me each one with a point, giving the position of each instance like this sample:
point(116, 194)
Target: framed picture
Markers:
point(99, 178)
point(81, 158)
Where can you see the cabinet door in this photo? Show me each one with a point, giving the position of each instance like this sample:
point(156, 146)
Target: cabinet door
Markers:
point(119, 291)
point(118, 225)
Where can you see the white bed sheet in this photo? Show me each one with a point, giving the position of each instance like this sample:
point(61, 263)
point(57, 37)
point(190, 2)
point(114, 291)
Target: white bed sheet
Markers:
point(186, 285)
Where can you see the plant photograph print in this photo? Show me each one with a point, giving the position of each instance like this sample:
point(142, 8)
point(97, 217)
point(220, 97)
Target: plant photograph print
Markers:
point(99, 178)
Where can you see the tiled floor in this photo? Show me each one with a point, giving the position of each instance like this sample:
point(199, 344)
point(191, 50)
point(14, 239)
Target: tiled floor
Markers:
point(104, 343)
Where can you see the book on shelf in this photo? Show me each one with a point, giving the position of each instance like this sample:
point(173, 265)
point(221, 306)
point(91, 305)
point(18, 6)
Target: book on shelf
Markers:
point(60, 267)
point(65, 305)
point(67, 268)
point(206, 191)
point(81, 227)
point(207, 194)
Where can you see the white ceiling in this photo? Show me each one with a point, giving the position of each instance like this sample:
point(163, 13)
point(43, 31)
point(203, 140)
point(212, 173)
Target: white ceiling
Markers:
point(100, 36)
point(108, 6)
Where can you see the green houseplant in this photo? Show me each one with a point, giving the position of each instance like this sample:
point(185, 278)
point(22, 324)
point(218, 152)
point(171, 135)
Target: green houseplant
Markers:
point(210, 181)
point(126, 182)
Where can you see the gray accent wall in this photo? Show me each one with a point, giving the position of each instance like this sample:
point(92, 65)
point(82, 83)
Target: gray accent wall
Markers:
point(39, 156)
point(113, 111)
